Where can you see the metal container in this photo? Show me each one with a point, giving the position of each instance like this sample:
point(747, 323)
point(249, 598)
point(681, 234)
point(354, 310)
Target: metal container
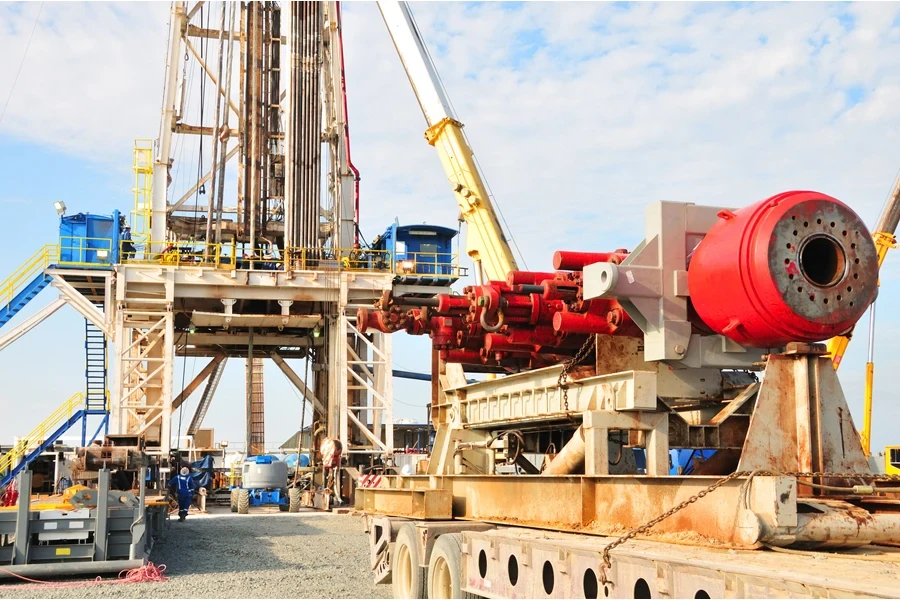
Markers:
point(264, 472)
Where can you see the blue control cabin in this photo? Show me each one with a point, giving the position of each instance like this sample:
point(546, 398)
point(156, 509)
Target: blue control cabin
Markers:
point(90, 241)
point(422, 254)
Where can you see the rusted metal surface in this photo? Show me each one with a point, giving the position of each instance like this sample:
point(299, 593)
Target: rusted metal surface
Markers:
point(801, 422)
point(597, 505)
point(737, 515)
point(828, 523)
point(425, 504)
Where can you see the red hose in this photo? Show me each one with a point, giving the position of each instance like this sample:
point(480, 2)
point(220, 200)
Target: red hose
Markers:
point(347, 127)
point(146, 574)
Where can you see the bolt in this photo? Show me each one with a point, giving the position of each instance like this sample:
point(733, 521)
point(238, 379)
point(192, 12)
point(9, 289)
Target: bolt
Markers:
point(679, 349)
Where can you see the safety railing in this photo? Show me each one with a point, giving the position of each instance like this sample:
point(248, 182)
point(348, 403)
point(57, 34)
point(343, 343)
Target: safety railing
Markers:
point(78, 251)
point(440, 265)
point(179, 253)
point(143, 189)
point(30, 269)
point(65, 412)
point(339, 259)
point(234, 474)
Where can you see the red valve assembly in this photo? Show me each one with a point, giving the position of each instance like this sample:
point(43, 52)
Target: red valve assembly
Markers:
point(531, 320)
point(799, 266)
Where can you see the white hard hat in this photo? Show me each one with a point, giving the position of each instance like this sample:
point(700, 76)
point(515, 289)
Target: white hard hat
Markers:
point(185, 470)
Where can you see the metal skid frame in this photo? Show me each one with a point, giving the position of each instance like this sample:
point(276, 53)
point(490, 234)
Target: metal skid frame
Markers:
point(94, 539)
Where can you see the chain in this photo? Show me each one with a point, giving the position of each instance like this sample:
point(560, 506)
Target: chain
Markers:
point(607, 563)
point(562, 382)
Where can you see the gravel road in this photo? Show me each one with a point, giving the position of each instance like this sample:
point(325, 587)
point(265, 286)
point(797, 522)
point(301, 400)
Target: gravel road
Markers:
point(268, 555)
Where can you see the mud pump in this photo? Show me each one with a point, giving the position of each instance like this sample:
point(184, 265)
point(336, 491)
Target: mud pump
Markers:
point(705, 336)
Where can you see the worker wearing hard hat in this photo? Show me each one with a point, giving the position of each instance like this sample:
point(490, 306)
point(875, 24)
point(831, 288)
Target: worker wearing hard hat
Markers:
point(184, 487)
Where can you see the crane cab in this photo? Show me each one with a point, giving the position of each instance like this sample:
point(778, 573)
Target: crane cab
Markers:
point(421, 254)
point(892, 460)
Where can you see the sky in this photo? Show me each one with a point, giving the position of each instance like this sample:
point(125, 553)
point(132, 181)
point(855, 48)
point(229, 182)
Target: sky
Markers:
point(581, 114)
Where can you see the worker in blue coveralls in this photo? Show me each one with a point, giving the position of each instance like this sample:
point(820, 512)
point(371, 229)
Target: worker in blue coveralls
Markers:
point(184, 486)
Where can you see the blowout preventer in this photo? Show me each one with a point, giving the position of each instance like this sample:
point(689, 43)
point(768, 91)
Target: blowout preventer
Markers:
point(796, 267)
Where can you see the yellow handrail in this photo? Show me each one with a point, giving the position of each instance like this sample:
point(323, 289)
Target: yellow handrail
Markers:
point(188, 253)
point(332, 259)
point(39, 434)
point(39, 261)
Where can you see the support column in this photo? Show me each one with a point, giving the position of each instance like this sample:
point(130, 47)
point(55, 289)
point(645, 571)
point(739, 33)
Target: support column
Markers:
point(255, 403)
point(161, 164)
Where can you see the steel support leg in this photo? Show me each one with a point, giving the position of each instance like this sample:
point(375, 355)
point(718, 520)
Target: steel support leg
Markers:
point(23, 514)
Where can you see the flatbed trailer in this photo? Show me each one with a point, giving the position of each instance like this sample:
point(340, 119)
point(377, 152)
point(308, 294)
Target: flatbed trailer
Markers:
point(455, 559)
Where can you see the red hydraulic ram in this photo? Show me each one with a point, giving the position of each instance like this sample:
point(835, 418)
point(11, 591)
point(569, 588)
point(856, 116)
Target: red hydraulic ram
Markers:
point(532, 319)
point(797, 267)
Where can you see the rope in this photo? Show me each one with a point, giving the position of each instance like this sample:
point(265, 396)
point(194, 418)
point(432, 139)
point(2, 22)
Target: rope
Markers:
point(21, 64)
point(148, 573)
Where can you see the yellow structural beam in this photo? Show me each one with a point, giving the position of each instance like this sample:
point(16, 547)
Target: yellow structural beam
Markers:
point(485, 241)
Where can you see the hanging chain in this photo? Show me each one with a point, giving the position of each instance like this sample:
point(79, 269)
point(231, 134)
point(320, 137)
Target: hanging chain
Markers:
point(607, 563)
point(563, 381)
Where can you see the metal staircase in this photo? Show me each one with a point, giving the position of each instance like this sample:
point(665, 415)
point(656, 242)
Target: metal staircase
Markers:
point(95, 375)
point(19, 301)
point(41, 438)
point(26, 282)
point(206, 399)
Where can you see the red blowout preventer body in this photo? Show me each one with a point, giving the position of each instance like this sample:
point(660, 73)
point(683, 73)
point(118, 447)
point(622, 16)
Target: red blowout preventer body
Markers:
point(799, 266)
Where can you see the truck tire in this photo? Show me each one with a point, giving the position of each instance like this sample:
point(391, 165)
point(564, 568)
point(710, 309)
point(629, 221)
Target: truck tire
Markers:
point(294, 500)
point(445, 567)
point(243, 502)
point(234, 500)
point(407, 577)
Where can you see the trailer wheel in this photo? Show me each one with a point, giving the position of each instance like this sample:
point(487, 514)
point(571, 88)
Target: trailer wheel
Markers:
point(243, 502)
point(445, 567)
point(407, 577)
point(234, 500)
point(294, 500)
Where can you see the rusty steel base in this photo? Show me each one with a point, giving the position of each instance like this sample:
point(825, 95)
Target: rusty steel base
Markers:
point(743, 513)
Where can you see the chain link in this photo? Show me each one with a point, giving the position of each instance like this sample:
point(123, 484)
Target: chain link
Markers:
point(607, 563)
point(582, 353)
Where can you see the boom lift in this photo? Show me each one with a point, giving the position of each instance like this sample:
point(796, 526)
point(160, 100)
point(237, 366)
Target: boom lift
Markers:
point(614, 358)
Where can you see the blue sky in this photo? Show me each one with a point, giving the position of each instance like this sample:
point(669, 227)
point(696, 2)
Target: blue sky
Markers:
point(580, 114)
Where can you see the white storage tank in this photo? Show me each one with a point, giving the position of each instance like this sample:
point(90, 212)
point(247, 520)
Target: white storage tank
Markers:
point(264, 472)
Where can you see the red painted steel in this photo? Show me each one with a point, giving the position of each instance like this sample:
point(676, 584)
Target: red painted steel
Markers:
point(797, 267)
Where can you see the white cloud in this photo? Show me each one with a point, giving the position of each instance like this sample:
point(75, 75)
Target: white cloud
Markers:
point(91, 81)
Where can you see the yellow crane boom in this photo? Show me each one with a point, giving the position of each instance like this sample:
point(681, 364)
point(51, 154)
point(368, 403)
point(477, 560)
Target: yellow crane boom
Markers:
point(486, 242)
point(837, 346)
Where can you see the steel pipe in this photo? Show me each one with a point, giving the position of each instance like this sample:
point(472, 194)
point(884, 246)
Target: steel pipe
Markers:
point(570, 459)
point(565, 260)
point(69, 568)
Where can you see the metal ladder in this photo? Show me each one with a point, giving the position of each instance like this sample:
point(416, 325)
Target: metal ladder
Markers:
point(94, 368)
point(206, 399)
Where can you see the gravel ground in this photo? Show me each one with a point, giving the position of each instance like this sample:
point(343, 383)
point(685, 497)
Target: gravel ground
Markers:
point(268, 555)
